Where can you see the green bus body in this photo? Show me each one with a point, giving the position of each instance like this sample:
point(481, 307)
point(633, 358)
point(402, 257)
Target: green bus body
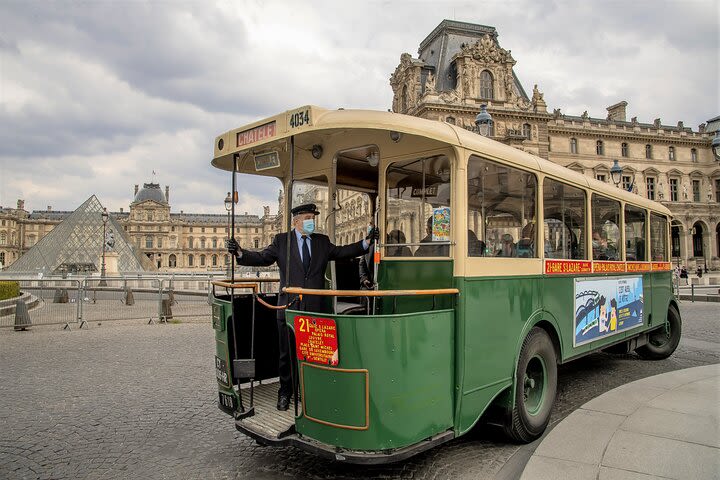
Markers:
point(431, 372)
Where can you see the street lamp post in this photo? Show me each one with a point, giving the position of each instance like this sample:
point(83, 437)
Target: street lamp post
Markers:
point(484, 121)
point(228, 207)
point(616, 173)
point(104, 215)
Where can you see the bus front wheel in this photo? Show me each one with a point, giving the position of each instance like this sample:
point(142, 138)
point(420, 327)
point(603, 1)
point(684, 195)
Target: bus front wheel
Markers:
point(535, 386)
point(663, 341)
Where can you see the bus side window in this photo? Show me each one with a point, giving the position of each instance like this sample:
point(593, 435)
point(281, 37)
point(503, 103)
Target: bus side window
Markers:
point(635, 233)
point(564, 213)
point(501, 210)
point(605, 228)
point(658, 238)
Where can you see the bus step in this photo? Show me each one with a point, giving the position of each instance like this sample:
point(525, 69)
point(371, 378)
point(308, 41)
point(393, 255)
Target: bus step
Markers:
point(244, 368)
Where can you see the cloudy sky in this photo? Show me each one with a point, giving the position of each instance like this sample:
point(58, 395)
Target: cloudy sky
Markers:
point(96, 95)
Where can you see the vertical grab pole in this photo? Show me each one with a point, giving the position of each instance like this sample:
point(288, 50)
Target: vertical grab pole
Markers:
point(376, 254)
point(288, 208)
point(232, 272)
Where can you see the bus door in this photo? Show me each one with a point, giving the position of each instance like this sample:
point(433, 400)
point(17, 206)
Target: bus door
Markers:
point(354, 188)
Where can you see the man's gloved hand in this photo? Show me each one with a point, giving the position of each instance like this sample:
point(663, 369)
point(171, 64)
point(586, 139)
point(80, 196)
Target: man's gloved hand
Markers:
point(233, 247)
point(373, 235)
point(367, 284)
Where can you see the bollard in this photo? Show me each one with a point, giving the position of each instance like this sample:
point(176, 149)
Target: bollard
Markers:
point(692, 292)
point(61, 295)
point(129, 297)
point(22, 316)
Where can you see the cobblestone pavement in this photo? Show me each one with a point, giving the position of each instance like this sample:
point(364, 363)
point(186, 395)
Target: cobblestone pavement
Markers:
point(129, 400)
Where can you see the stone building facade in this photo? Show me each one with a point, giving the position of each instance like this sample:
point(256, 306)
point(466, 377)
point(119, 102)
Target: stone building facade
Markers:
point(172, 241)
point(461, 66)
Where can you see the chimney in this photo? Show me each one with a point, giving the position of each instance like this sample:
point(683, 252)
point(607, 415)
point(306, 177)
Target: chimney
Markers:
point(266, 211)
point(136, 190)
point(121, 209)
point(21, 204)
point(617, 112)
point(167, 193)
point(49, 208)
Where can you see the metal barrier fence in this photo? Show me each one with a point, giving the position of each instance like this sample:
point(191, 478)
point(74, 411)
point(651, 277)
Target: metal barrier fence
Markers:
point(701, 293)
point(47, 302)
point(79, 301)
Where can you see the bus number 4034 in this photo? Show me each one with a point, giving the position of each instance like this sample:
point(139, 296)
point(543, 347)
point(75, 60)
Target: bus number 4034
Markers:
point(299, 119)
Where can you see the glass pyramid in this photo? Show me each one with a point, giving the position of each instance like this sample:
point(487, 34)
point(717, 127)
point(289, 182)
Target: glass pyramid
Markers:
point(75, 245)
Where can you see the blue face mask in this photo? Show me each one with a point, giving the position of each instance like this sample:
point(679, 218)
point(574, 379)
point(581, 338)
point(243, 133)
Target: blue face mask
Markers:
point(308, 226)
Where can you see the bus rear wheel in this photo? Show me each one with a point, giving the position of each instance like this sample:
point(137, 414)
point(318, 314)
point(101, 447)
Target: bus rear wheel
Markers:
point(535, 387)
point(663, 341)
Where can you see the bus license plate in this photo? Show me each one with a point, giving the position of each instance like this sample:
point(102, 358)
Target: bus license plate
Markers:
point(221, 372)
point(227, 402)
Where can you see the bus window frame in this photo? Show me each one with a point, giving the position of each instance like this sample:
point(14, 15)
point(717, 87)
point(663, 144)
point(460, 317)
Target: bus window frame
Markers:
point(386, 163)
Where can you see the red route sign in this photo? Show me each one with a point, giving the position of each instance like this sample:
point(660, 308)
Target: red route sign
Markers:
point(256, 134)
point(316, 340)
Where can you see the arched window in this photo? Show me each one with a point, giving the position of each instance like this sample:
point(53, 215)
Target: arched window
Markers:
point(693, 155)
point(190, 242)
point(648, 151)
point(697, 240)
point(214, 260)
point(172, 261)
point(573, 145)
point(671, 153)
point(191, 260)
point(486, 85)
point(3, 238)
point(202, 242)
point(624, 149)
point(599, 147)
point(526, 130)
point(148, 242)
point(202, 260)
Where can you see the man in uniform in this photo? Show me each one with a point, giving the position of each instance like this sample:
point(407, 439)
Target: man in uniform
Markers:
point(309, 255)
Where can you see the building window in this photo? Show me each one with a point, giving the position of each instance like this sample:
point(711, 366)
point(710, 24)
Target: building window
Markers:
point(190, 242)
point(202, 242)
point(599, 147)
point(191, 260)
point(150, 216)
point(214, 229)
point(526, 130)
point(2, 258)
point(601, 177)
point(671, 153)
point(549, 144)
point(148, 242)
point(214, 260)
point(202, 260)
point(627, 183)
point(674, 190)
point(717, 190)
point(450, 120)
point(648, 151)
point(624, 149)
point(693, 155)
point(573, 145)
point(257, 243)
point(172, 261)
point(696, 190)
point(486, 85)
point(191, 228)
point(172, 229)
point(214, 243)
point(159, 242)
point(650, 186)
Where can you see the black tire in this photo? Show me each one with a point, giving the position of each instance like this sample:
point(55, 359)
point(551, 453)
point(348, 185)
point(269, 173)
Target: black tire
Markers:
point(663, 341)
point(535, 388)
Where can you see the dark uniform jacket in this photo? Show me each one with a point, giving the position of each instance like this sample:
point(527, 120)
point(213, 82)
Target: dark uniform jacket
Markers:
point(322, 251)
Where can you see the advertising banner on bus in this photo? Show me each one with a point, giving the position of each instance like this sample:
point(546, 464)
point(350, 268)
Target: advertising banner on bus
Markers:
point(606, 306)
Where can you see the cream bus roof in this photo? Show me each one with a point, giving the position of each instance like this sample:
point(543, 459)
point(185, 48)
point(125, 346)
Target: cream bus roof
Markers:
point(308, 120)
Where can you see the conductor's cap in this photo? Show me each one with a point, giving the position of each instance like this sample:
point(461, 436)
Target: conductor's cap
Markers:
point(306, 208)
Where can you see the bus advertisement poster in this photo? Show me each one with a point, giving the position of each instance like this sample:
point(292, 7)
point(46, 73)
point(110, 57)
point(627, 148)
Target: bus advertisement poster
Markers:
point(604, 307)
point(441, 224)
point(316, 340)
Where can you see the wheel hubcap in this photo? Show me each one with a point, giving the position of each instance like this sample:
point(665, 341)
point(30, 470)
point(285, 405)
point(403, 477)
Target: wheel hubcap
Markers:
point(534, 385)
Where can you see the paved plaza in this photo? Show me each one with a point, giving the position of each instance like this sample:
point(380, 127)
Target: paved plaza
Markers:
point(130, 400)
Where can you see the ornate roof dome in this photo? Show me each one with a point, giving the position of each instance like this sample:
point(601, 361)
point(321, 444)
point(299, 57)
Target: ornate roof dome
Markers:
point(150, 191)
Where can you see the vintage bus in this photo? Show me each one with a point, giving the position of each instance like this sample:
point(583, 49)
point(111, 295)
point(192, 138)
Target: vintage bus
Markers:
point(493, 267)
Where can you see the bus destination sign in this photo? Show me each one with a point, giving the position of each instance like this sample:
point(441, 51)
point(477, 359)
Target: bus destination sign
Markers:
point(256, 134)
point(567, 266)
point(316, 340)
